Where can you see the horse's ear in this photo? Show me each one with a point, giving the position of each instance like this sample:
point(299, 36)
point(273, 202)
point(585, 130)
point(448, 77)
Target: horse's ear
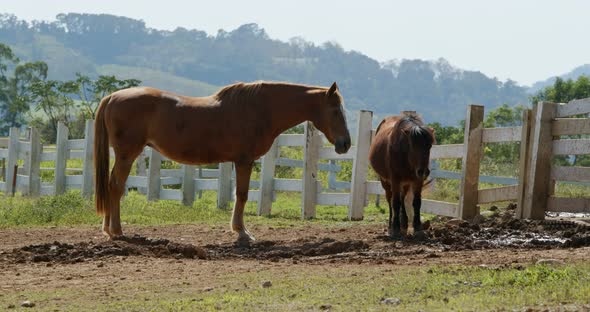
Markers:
point(333, 89)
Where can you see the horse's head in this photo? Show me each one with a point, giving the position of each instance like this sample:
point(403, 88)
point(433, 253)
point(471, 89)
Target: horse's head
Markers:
point(420, 141)
point(331, 120)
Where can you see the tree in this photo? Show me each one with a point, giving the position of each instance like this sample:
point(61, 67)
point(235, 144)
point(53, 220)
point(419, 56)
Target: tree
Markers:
point(91, 92)
point(15, 95)
point(19, 92)
point(54, 98)
point(447, 134)
point(564, 91)
point(7, 59)
point(504, 116)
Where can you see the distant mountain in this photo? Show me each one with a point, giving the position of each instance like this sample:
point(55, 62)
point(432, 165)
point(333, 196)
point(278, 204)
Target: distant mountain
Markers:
point(583, 70)
point(193, 62)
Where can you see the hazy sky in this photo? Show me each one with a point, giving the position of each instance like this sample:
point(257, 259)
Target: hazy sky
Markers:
point(525, 40)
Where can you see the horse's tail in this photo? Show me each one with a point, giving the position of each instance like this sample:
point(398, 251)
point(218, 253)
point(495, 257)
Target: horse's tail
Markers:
point(101, 160)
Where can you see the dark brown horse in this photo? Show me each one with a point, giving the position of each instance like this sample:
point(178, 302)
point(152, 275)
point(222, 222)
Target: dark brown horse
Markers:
point(400, 155)
point(239, 124)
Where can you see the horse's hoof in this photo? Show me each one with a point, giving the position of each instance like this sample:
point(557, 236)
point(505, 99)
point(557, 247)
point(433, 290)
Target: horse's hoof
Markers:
point(116, 232)
point(115, 237)
point(246, 236)
point(395, 234)
point(420, 235)
point(242, 243)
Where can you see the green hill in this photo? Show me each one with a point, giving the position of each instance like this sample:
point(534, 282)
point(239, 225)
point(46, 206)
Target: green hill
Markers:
point(193, 62)
point(159, 79)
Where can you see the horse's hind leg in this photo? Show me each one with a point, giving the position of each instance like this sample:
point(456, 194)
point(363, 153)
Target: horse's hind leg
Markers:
point(117, 181)
point(387, 187)
point(243, 171)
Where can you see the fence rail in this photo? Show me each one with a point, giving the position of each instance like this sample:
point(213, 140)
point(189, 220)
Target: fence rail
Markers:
point(540, 126)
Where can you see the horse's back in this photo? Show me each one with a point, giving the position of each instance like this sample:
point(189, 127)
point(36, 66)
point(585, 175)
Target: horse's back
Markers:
point(379, 153)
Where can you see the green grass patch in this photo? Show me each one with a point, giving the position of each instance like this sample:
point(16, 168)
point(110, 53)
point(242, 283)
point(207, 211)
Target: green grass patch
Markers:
point(71, 209)
point(339, 288)
point(446, 288)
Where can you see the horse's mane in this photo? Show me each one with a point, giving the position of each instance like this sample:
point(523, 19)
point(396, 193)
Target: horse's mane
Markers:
point(246, 92)
point(412, 125)
point(243, 92)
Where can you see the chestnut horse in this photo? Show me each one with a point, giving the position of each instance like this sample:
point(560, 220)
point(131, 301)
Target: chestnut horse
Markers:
point(239, 124)
point(400, 155)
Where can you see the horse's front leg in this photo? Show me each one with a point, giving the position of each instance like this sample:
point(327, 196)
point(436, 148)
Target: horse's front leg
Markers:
point(404, 211)
point(417, 204)
point(396, 203)
point(243, 171)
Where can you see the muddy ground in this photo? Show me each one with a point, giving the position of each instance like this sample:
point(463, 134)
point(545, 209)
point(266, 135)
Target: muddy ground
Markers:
point(54, 257)
point(308, 244)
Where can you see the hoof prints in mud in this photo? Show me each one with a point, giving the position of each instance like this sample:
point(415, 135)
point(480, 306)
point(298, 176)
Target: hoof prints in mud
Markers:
point(123, 246)
point(503, 230)
point(266, 250)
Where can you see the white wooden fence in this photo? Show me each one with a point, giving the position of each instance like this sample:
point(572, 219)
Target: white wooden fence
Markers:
point(551, 121)
point(153, 180)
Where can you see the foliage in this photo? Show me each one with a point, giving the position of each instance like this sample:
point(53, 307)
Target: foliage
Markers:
point(448, 134)
point(91, 92)
point(54, 99)
point(15, 90)
point(502, 116)
point(564, 91)
point(29, 90)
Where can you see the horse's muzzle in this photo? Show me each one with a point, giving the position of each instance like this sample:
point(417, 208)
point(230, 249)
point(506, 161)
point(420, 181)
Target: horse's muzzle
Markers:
point(342, 145)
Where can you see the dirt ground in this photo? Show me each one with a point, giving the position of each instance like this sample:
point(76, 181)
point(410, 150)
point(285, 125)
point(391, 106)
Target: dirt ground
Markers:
point(53, 258)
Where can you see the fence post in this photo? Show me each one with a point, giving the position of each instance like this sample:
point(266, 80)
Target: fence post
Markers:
point(61, 157)
point(537, 191)
point(311, 152)
point(188, 185)
point(224, 185)
point(360, 167)
point(200, 176)
point(472, 152)
point(524, 166)
point(153, 189)
point(434, 166)
point(25, 168)
point(141, 170)
point(332, 176)
point(34, 160)
point(88, 165)
point(12, 160)
point(267, 175)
